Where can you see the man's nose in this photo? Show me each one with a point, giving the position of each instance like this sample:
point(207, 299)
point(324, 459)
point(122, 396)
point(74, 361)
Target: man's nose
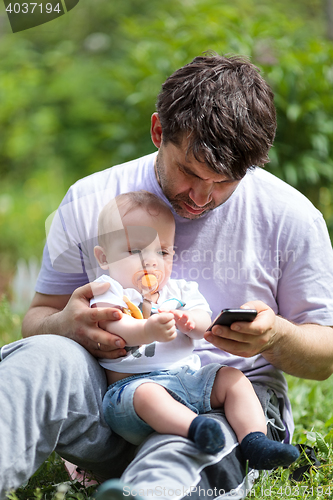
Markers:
point(201, 192)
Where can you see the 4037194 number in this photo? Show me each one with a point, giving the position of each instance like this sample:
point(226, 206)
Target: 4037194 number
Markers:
point(29, 8)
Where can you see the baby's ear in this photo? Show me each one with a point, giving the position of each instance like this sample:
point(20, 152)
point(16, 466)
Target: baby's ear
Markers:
point(101, 257)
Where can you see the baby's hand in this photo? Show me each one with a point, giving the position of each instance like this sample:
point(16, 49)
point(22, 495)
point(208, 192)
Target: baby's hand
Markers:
point(161, 327)
point(183, 320)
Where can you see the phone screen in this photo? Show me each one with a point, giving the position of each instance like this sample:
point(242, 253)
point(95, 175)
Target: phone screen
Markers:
point(229, 316)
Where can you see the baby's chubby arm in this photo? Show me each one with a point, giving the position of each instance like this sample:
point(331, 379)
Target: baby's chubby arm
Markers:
point(192, 323)
point(159, 327)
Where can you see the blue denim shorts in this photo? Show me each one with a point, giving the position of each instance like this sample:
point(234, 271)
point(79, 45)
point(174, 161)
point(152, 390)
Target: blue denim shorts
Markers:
point(189, 387)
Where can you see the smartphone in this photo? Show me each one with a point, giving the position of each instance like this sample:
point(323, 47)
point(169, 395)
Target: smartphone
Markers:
point(229, 316)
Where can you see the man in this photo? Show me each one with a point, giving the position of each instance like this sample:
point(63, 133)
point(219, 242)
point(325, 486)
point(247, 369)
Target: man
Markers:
point(247, 238)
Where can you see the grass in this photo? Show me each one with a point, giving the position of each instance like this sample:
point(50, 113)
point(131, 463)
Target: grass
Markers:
point(313, 414)
point(51, 482)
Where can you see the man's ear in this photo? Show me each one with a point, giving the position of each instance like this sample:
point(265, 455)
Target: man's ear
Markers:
point(156, 130)
point(101, 257)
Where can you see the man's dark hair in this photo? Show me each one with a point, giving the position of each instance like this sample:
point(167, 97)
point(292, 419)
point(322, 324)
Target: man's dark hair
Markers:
point(225, 110)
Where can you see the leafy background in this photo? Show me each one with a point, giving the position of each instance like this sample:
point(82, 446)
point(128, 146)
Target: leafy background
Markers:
point(76, 96)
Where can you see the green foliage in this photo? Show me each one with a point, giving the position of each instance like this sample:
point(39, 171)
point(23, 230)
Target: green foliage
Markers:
point(81, 102)
point(10, 323)
point(303, 154)
point(311, 403)
point(24, 207)
point(51, 482)
point(312, 408)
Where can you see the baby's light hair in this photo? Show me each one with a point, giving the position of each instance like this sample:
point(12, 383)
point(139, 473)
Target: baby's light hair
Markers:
point(128, 202)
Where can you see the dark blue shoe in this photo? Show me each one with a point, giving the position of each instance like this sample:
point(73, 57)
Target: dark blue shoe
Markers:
point(114, 489)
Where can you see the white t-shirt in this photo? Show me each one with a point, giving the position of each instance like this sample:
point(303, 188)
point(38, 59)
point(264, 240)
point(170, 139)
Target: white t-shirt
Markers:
point(266, 242)
point(157, 355)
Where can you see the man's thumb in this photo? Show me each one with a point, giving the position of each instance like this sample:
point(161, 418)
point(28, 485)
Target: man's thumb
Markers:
point(91, 289)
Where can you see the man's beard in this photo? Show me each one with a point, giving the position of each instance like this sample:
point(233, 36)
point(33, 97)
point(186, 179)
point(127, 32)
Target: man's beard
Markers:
point(180, 210)
point(175, 201)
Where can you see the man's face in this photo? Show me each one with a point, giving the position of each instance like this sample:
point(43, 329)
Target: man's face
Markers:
point(191, 187)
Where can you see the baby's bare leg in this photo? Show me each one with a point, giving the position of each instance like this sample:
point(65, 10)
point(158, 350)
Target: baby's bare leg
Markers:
point(243, 410)
point(165, 415)
point(161, 411)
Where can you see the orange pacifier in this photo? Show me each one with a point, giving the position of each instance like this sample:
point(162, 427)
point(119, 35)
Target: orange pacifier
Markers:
point(147, 282)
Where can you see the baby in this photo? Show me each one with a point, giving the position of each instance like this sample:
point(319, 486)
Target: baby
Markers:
point(159, 385)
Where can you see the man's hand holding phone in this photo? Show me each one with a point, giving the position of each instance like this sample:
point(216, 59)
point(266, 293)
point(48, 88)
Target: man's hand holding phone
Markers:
point(244, 334)
point(229, 316)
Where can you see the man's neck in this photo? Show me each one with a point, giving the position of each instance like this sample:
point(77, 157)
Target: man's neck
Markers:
point(156, 171)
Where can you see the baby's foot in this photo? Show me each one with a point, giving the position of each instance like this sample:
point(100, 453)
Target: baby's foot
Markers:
point(207, 434)
point(265, 454)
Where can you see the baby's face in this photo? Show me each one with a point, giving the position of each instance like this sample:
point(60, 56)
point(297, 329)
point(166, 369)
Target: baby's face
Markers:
point(146, 244)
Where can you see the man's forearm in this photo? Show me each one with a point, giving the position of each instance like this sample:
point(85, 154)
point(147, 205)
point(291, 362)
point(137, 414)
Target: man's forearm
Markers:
point(305, 351)
point(43, 316)
point(41, 320)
